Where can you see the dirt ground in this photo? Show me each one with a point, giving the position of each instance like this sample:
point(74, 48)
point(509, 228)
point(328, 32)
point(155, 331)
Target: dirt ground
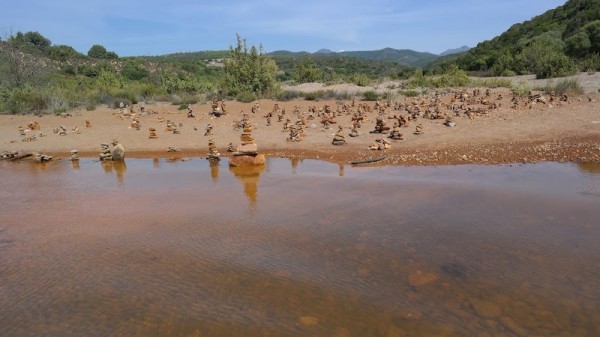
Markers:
point(557, 131)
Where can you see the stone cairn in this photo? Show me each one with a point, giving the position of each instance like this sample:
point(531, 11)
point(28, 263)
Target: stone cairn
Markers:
point(380, 126)
point(190, 113)
point(74, 155)
point(39, 157)
point(105, 152)
point(419, 129)
point(339, 138)
point(213, 154)
point(117, 153)
point(396, 134)
point(449, 122)
point(153, 134)
point(246, 153)
point(296, 133)
point(208, 130)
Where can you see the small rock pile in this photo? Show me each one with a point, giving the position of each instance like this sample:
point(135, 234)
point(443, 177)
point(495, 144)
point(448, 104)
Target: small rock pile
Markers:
point(339, 138)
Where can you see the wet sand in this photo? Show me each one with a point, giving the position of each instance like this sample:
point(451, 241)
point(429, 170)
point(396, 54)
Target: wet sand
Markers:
point(561, 132)
point(300, 247)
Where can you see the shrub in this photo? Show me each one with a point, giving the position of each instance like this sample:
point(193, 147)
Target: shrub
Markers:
point(288, 95)
point(314, 95)
point(245, 97)
point(371, 96)
point(361, 80)
point(492, 83)
point(409, 93)
point(565, 86)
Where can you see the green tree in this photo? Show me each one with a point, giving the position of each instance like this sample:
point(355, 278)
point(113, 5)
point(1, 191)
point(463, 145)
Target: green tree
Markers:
point(593, 31)
point(249, 70)
point(37, 40)
point(99, 52)
point(30, 39)
point(306, 71)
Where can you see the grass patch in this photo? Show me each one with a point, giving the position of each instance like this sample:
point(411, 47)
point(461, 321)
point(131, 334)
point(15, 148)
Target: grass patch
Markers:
point(370, 96)
point(565, 86)
point(492, 83)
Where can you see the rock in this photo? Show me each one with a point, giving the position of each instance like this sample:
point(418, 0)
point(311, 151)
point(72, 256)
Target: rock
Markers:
point(247, 160)
point(419, 279)
point(118, 152)
point(247, 148)
point(308, 320)
point(486, 309)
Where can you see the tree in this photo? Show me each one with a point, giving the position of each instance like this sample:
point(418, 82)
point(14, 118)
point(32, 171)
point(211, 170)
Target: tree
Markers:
point(99, 52)
point(306, 71)
point(249, 70)
point(30, 39)
point(37, 40)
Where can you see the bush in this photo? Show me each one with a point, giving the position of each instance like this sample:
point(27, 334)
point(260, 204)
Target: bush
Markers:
point(288, 95)
point(556, 66)
point(314, 95)
point(564, 86)
point(245, 97)
point(492, 83)
point(133, 71)
point(409, 93)
point(361, 80)
point(371, 96)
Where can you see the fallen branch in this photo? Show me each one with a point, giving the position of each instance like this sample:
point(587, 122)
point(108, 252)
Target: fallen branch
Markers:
point(368, 161)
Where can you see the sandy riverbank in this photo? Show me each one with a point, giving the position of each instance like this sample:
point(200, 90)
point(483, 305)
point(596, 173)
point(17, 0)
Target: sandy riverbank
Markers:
point(557, 131)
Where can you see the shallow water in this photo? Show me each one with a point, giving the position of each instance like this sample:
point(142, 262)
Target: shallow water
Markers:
point(298, 248)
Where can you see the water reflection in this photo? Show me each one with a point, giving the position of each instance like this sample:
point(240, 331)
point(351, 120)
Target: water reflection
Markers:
point(341, 169)
point(295, 162)
point(249, 177)
point(118, 167)
point(75, 164)
point(214, 169)
point(447, 251)
point(593, 168)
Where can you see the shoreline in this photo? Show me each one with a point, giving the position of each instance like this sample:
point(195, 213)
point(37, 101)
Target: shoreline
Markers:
point(559, 151)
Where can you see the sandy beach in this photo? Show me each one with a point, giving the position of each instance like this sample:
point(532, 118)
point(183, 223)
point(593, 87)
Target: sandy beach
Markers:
point(532, 132)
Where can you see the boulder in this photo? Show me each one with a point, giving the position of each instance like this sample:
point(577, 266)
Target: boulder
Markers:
point(118, 152)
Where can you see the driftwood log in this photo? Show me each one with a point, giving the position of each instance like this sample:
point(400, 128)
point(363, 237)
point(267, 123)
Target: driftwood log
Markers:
point(368, 161)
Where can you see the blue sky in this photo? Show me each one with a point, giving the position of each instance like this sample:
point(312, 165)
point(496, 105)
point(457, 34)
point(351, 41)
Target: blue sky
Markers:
point(156, 27)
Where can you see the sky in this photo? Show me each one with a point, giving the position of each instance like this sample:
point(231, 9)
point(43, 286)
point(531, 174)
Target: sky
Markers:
point(158, 27)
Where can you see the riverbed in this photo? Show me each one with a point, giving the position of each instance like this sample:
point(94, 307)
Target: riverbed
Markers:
point(157, 247)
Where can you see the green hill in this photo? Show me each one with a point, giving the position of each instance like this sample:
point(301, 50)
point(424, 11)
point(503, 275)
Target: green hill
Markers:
point(559, 42)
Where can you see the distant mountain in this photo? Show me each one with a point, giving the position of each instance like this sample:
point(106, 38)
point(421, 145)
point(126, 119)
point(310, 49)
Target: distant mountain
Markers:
point(404, 56)
point(455, 51)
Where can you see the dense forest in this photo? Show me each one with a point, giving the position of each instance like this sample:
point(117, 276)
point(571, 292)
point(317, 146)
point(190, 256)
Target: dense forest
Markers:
point(560, 42)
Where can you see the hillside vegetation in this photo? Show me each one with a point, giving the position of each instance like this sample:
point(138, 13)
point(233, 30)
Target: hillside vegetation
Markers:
point(558, 43)
point(39, 77)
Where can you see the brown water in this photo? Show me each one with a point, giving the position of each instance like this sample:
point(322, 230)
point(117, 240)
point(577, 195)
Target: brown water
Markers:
point(301, 248)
